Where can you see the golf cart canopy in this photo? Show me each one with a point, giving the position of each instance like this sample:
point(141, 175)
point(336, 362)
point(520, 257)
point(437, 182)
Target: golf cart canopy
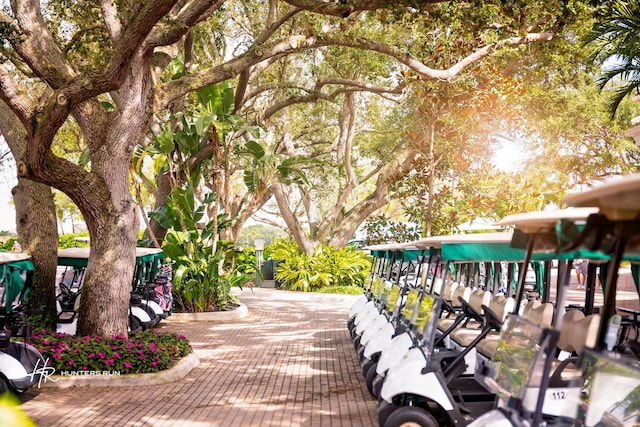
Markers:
point(12, 264)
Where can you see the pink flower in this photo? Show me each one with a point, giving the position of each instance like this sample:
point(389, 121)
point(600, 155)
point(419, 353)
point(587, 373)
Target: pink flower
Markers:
point(91, 355)
point(127, 365)
point(154, 363)
point(70, 362)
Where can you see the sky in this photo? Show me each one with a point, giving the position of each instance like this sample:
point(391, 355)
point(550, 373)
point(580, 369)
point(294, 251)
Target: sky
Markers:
point(8, 180)
point(7, 211)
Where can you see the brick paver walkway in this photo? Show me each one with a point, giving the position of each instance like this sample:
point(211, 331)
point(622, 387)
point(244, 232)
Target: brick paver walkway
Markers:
point(290, 362)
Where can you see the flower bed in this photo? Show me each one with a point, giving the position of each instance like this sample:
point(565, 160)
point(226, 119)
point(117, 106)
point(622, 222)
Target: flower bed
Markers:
point(143, 352)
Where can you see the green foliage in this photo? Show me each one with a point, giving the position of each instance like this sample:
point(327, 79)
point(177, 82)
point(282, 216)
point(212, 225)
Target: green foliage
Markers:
point(614, 38)
point(200, 281)
point(327, 267)
point(72, 240)
point(380, 229)
point(7, 246)
point(143, 352)
point(243, 260)
point(342, 290)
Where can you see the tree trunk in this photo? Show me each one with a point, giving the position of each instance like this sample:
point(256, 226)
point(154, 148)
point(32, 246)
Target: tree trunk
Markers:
point(37, 227)
point(161, 194)
point(113, 229)
point(35, 221)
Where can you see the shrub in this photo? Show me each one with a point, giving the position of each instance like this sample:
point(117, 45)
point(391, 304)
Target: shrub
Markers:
point(71, 241)
point(143, 352)
point(343, 290)
point(327, 267)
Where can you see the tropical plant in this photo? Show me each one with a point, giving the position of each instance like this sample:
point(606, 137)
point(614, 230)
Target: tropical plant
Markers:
point(200, 282)
point(326, 267)
point(614, 39)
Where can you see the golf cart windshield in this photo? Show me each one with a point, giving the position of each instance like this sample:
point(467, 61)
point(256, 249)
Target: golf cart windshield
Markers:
point(611, 380)
point(427, 319)
point(518, 357)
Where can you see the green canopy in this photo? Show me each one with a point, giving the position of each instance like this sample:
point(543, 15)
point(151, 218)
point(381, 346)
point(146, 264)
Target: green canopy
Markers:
point(11, 267)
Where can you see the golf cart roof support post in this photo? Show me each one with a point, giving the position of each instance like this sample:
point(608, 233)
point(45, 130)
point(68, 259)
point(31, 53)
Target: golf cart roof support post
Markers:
point(510, 272)
point(434, 258)
point(444, 272)
point(497, 270)
point(561, 294)
point(403, 289)
point(546, 290)
point(609, 308)
point(522, 273)
point(590, 292)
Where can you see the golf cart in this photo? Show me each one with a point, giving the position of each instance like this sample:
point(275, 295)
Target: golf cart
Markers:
point(21, 365)
point(420, 389)
point(611, 382)
point(150, 300)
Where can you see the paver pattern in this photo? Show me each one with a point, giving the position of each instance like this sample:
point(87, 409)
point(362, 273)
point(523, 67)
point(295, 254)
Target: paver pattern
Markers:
point(290, 362)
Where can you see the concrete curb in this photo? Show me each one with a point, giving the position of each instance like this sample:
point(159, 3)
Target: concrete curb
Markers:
point(175, 373)
point(212, 316)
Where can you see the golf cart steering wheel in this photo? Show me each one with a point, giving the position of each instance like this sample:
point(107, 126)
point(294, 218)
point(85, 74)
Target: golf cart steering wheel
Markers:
point(470, 311)
point(492, 318)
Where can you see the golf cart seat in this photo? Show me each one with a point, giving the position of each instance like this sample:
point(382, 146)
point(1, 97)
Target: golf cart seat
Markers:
point(68, 316)
point(448, 289)
point(436, 285)
point(535, 312)
point(460, 291)
point(578, 331)
point(500, 305)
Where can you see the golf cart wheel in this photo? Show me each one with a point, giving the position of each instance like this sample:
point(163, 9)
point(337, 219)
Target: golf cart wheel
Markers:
point(370, 377)
point(385, 409)
point(376, 385)
point(361, 353)
point(134, 324)
point(366, 364)
point(4, 385)
point(356, 343)
point(410, 416)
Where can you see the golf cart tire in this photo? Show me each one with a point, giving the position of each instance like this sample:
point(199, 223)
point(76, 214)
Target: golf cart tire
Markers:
point(366, 364)
point(385, 409)
point(410, 416)
point(134, 324)
point(4, 385)
point(370, 377)
point(376, 385)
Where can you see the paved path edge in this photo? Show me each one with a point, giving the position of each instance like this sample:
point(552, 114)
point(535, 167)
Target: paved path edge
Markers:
point(211, 316)
point(175, 373)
